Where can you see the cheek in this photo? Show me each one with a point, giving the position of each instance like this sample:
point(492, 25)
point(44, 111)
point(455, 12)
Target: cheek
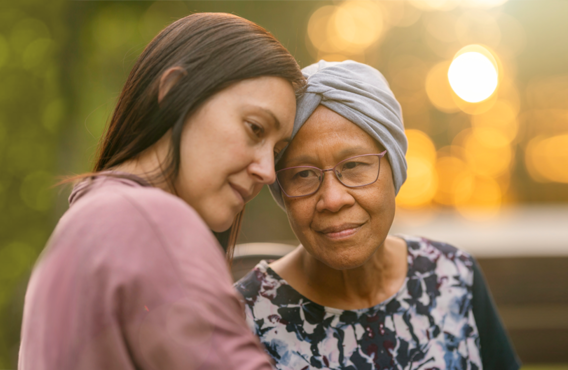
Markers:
point(300, 214)
point(380, 205)
point(207, 163)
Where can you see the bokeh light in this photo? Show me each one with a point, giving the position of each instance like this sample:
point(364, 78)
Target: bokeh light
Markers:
point(485, 200)
point(486, 152)
point(36, 190)
point(36, 53)
point(456, 180)
point(318, 27)
point(439, 90)
point(446, 5)
point(483, 3)
point(399, 13)
point(406, 76)
point(547, 158)
point(407, 72)
point(358, 23)
point(501, 119)
point(441, 26)
point(478, 28)
point(26, 31)
point(113, 27)
point(547, 93)
point(513, 38)
point(422, 181)
point(347, 28)
point(473, 76)
point(438, 5)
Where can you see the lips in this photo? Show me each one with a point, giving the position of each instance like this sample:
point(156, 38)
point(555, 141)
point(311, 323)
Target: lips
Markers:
point(243, 193)
point(340, 231)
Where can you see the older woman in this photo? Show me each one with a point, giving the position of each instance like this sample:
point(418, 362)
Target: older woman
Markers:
point(351, 296)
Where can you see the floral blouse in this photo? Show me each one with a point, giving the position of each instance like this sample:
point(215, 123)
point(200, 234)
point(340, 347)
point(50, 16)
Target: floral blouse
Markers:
point(428, 324)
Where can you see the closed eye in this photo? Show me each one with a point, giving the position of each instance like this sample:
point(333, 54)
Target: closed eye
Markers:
point(278, 148)
point(256, 129)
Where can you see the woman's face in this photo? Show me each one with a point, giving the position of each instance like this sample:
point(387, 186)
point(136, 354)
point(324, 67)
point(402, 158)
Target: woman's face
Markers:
point(228, 147)
point(339, 226)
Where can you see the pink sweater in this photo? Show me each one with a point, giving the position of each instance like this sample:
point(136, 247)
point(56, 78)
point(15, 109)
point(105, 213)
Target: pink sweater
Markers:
point(133, 279)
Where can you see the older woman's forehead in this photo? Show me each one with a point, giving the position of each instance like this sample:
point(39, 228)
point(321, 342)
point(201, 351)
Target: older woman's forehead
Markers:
point(326, 125)
point(323, 114)
point(328, 131)
point(325, 122)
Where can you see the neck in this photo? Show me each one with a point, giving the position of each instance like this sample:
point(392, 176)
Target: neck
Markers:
point(149, 164)
point(365, 286)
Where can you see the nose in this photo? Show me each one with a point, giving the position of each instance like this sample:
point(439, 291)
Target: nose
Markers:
point(262, 168)
point(332, 195)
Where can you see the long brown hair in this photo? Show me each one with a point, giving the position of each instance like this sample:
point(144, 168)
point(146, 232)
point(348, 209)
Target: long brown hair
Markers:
point(215, 50)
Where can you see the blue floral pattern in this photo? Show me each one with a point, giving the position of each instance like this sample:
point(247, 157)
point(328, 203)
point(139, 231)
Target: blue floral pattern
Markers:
point(428, 324)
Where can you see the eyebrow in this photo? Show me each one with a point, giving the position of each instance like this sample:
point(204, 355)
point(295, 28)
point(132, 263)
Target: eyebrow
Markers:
point(269, 113)
point(345, 153)
point(352, 151)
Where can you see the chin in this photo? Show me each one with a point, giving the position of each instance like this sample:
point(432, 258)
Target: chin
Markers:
point(219, 224)
point(220, 227)
point(345, 261)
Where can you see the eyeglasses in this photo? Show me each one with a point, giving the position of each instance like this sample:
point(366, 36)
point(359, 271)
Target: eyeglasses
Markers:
point(353, 172)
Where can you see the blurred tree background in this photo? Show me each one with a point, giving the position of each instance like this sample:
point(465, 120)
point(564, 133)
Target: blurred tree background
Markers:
point(63, 64)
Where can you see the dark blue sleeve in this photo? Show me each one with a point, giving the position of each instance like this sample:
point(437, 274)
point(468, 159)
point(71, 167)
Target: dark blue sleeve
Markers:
point(497, 352)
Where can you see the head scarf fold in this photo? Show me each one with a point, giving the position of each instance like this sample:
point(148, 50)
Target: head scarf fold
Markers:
point(361, 94)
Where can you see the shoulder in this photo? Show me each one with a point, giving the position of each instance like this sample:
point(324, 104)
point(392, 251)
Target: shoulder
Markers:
point(136, 231)
point(117, 205)
point(118, 197)
point(418, 243)
point(251, 285)
point(420, 246)
point(442, 258)
point(146, 221)
point(262, 288)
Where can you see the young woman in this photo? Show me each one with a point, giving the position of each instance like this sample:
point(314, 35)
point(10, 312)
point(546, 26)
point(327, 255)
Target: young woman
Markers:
point(351, 296)
point(132, 277)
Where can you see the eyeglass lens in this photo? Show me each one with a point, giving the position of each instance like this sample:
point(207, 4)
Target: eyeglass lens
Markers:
point(352, 172)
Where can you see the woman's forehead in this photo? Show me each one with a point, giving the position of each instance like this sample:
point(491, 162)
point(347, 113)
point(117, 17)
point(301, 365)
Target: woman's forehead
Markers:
point(326, 125)
point(326, 129)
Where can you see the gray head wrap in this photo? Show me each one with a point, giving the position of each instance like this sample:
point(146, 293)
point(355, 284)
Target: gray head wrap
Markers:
point(361, 94)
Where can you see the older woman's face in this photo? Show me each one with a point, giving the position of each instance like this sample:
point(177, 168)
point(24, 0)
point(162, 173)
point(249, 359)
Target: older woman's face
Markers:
point(341, 227)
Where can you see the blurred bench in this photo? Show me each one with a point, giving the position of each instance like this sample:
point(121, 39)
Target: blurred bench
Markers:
point(249, 254)
point(531, 294)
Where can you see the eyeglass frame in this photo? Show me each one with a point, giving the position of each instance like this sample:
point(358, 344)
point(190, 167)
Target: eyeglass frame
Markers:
point(380, 155)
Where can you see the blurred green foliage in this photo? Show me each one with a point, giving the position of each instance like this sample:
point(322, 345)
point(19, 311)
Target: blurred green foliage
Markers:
point(30, 116)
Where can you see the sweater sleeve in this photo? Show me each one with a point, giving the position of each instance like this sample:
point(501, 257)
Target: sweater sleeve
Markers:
point(497, 352)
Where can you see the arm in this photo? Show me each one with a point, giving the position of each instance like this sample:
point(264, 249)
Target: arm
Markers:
point(194, 318)
point(497, 352)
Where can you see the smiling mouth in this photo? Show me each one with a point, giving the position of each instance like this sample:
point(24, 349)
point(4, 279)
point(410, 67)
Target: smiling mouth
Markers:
point(241, 193)
point(340, 232)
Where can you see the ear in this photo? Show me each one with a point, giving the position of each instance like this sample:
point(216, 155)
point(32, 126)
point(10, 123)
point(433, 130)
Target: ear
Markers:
point(169, 78)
